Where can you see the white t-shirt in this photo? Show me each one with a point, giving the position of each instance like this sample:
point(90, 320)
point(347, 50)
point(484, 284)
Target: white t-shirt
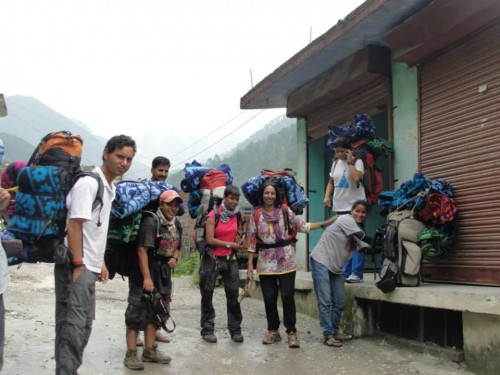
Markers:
point(346, 191)
point(79, 202)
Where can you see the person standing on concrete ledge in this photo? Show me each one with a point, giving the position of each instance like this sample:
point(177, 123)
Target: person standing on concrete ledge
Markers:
point(336, 245)
point(346, 184)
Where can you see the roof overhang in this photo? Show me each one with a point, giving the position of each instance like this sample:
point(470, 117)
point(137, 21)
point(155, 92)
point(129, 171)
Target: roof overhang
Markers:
point(412, 29)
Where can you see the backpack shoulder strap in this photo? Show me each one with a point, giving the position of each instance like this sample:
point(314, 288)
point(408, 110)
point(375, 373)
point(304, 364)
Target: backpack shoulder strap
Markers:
point(156, 220)
point(98, 200)
point(178, 226)
point(216, 215)
point(256, 215)
point(284, 209)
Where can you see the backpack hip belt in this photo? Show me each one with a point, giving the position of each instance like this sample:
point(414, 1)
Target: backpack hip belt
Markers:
point(277, 244)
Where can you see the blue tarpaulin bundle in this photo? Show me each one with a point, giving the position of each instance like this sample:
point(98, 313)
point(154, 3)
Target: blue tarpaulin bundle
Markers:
point(294, 193)
point(132, 196)
point(194, 172)
point(361, 127)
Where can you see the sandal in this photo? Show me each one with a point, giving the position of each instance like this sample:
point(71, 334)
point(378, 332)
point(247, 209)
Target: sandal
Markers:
point(330, 340)
point(342, 337)
point(271, 337)
point(161, 337)
point(140, 342)
point(293, 340)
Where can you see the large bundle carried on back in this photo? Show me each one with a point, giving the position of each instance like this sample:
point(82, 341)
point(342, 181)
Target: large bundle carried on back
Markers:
point(39, 218)
point(420, 226)
point(367, 147)
point(205, 186)
point(134, 201)
point(292, 192)
point(132, 196)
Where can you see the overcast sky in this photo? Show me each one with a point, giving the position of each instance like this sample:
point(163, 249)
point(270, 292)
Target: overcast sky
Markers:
point(168, 73)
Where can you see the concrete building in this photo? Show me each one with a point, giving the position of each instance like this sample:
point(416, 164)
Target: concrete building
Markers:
point(428, 73)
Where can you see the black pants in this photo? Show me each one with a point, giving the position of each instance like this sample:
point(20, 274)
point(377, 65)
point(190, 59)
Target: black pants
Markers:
point(210, 268)
point(270, 286)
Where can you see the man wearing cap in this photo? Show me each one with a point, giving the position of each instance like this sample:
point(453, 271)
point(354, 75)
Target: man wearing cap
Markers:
point(158, 248)
point(160, 167)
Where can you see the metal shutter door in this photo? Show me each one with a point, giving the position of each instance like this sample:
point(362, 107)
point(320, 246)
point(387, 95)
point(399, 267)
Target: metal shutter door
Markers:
point(460, 141)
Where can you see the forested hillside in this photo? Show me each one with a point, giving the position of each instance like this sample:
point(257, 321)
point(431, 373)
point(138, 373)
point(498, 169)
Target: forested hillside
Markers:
point(16, 148)
point(277, 150)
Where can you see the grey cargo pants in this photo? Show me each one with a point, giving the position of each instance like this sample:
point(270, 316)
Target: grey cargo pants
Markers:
point(75, 312)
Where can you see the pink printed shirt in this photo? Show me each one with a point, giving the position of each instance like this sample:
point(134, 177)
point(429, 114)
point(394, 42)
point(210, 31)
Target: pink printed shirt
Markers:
point(276, 260)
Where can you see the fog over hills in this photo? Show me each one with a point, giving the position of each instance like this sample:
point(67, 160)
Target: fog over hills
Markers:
point(29, 120)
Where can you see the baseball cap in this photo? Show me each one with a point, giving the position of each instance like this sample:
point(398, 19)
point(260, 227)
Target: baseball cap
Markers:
point(169, 195)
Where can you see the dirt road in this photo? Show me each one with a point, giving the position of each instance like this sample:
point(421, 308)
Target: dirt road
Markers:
point(29, 301)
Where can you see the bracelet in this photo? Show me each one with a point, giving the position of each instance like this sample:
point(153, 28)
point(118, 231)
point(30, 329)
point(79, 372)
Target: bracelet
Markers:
point(352, 162)
point(323, 226)
point(78, 263)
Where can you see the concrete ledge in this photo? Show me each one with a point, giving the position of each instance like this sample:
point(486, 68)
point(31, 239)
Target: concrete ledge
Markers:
point(470, 298)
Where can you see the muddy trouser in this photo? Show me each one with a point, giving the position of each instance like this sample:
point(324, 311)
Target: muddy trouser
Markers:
point(75, 311)
point(210, 267)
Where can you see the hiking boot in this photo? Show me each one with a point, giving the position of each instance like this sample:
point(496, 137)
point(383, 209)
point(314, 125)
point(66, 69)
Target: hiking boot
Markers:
point(331, 341)
point(237, 337)
point(156, 356)
point(342, 337)
point(132, 361)
point(209, 337)
point(353, 279)
point(293, 340)
point(271, 337)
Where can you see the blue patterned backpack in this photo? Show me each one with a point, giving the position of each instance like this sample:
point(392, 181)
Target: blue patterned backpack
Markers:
point(39, 218)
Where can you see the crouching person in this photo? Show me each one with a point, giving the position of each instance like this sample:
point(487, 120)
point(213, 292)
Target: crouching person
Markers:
point(158, 252)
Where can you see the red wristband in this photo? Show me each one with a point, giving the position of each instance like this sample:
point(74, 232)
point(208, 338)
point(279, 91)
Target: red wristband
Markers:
point(78, 263)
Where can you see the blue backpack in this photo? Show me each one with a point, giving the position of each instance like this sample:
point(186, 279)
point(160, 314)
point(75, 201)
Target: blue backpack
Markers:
point(40, 211)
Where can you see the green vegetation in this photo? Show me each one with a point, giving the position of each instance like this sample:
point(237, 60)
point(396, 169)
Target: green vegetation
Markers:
point(189, 265)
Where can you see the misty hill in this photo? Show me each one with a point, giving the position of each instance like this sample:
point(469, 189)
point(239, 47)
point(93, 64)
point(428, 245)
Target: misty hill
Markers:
point(29, 120)
point(15, 148)
point(272, 147)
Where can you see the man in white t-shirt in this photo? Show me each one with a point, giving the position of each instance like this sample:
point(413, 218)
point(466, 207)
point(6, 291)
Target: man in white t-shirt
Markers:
point(75, 277)
point(346, 184)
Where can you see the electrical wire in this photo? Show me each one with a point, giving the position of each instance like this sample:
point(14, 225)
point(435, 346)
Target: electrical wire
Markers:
point(211, 145)
point(208, 134)
point(175, 154)
point(220, 140)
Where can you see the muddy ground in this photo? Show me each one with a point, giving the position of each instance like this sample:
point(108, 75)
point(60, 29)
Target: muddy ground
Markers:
point(29, 302)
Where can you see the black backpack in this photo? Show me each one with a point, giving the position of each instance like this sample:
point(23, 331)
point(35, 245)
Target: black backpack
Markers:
point(120, 255)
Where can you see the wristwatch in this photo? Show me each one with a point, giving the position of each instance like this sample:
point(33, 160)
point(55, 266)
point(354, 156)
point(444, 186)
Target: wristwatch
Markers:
point(228, 245)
